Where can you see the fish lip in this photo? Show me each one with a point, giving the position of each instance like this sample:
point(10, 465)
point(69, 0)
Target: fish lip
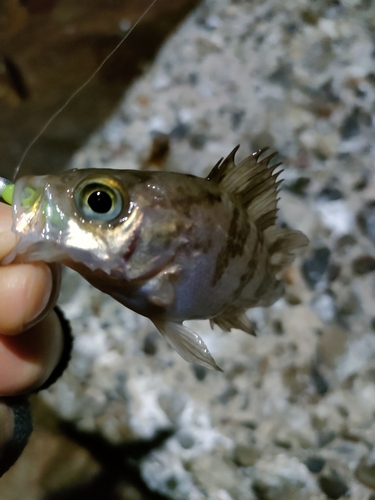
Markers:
point(34, 225)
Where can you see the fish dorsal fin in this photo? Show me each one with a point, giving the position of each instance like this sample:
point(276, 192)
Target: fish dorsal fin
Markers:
point(253, 182)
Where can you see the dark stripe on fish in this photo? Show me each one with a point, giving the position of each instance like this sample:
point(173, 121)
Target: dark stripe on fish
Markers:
point(249, 273)
point(238, 232)
point(184, 199)
point(264, 286)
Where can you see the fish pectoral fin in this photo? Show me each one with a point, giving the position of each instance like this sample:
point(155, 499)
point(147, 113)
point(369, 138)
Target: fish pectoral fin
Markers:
point(161, 292)
point(233, 319)
point(187, 343)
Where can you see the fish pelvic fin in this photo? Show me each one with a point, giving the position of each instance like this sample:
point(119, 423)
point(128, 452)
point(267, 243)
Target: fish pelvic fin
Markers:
point(253, 182)
point(187, 343)
point(282, 242)
point(233, 318)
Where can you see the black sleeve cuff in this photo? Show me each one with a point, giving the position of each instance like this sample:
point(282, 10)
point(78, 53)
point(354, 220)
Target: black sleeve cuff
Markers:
point(23, 427)
point(66, 353)
point(10, 452)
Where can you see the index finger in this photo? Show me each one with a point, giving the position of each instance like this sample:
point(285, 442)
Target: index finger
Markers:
point(7, 237)
point(27, 291)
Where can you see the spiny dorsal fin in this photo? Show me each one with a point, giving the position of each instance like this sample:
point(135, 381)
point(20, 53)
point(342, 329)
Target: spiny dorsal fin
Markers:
point(253, 182)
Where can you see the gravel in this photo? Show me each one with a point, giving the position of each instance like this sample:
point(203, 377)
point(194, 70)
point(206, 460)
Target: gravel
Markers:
point(293, 414)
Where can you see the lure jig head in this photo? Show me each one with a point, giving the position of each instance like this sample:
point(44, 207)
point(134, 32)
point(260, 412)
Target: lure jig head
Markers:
point(6, 190)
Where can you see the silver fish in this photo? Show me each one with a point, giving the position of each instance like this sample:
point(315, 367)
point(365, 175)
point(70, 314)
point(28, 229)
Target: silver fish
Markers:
point(169, 246)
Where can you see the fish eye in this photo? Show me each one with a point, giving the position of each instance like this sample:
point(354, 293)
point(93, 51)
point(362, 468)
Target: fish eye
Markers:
point(98, 200)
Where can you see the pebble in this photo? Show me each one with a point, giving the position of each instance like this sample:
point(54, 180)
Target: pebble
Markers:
point(336, 216)
point(325, 437)
point(172, 403)
point(298, 186)
point(315, 267)
point(150, 344)
point(334, 270)
point(198, 141)
point(186, 440)
point(282, 440)
point(332, 484)
point(180, 131)
point(246, 455)
point(331, 194)
point(228, 393)
point(362, 182)
point(325, 307)
point(345, 242)
point(365, 471)
point(315, 464)
point(366, 220)
point(363, 265)
point(289, 481)
point(350, 127)
point(199, 371)
point(320, 383)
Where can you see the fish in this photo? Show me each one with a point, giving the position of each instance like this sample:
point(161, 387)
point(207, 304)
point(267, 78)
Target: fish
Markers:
point(169, 246)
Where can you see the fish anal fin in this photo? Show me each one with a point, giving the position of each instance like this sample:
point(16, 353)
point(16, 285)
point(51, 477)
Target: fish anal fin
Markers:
point(187, 343)
point(253, 182)
point(233, 318)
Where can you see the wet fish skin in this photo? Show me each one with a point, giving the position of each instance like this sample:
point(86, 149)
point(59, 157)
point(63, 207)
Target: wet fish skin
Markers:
point(180, 247)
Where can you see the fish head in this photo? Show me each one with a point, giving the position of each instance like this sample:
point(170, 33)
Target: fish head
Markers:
point(97, 218)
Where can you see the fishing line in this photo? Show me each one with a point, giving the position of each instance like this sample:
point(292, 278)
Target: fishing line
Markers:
point(72, 96)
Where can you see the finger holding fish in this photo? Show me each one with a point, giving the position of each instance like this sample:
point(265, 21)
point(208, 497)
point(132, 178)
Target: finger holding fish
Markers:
point(30, 334)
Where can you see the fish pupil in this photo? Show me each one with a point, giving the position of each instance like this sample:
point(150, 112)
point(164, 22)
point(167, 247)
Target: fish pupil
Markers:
point(100, 202)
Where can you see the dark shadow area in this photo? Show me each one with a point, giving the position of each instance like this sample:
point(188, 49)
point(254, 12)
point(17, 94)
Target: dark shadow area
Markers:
point(47, 53)
point(119, 466)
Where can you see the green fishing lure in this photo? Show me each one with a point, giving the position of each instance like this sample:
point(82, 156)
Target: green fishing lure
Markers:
point(6, 190)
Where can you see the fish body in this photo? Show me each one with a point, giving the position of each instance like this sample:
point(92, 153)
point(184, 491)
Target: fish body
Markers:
point(169, 246)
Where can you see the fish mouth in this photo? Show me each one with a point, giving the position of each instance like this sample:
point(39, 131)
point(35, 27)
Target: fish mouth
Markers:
point(35, 245)
point(37, 223)
point(34, 252)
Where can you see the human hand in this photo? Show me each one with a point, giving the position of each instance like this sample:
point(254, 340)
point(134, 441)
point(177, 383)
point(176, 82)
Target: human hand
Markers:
point(31, 335)
point(31, 338)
